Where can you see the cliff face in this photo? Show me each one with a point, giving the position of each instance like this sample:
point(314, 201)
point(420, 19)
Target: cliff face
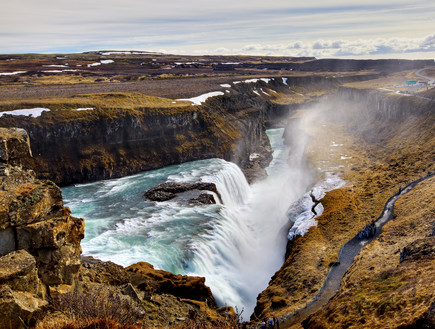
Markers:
point(107, 143)
point(39, 239)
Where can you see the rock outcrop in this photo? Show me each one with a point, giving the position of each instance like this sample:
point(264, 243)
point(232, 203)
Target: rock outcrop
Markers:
point(149, 279)
point(39, 239)
point(169, 190)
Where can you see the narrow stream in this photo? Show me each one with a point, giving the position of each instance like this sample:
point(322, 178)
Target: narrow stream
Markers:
point(345, 259)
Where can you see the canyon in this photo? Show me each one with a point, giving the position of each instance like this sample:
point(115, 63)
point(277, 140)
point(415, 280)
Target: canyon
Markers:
point(385, 140)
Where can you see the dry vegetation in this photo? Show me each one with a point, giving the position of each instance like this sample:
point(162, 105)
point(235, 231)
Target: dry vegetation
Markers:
point(379, 291)
point(105, 100)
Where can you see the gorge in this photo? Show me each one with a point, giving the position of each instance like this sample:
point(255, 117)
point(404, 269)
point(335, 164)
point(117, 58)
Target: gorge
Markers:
point(350, 147)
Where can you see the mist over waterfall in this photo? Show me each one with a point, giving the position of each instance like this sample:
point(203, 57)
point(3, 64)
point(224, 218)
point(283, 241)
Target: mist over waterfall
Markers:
point(237, 245)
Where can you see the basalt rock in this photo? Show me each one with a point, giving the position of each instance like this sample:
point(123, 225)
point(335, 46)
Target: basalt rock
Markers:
point(203, 199)
point(109, 143)
point(163, 282)
point(14, 146)
point(169, 190)
point(40, 240)
point(419, 249)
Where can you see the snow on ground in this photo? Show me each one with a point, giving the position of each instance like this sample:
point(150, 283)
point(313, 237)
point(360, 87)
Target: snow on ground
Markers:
point(267, 80)
point(226, 85)
point(284, 81)
point(84, 109)
point(108, 53)
point(56, 65)
point(300, 212)
point(35, 112)
point(13, 73)
point(103, 61)
point(58, 71)
point(264, 92)
point(201, 98)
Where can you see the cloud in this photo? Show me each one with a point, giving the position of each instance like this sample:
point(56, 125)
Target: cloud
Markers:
point(339, 48)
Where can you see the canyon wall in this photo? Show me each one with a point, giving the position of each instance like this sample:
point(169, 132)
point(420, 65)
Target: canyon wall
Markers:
point(108, 142)
point(389, 142)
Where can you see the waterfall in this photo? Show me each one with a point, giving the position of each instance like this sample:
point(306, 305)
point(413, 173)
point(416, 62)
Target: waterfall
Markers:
point(237, 246)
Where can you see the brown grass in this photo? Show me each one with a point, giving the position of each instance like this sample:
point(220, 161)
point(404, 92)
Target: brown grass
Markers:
point(378, 291)
point(102, 100)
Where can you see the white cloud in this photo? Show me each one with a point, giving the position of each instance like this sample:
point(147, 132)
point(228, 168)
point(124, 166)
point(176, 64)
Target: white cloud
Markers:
point(339, 48)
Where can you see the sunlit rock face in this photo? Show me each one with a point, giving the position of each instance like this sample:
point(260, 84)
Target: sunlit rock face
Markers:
point(40, 240)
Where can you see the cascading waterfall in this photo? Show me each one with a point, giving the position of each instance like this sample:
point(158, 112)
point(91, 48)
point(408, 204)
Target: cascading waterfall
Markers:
point(237, 245)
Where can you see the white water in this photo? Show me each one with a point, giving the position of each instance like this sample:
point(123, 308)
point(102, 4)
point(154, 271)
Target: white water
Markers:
point(237, 246)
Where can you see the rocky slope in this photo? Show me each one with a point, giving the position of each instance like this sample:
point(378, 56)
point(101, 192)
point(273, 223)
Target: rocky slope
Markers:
point(41, 270)
point(390, 284)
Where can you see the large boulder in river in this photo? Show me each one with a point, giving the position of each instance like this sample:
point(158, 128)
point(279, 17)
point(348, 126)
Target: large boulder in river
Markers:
point(169, 190)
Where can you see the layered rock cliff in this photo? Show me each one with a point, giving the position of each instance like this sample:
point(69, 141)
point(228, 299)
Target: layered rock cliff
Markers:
point(70, 147)
point(39, 239)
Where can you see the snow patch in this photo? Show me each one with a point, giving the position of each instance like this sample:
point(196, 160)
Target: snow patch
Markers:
point(301, 212)
point(202, 98)
point(35, 112)
point(13, 73)
point(103, 61)
point(267, 80)
point(84, 109)
point(55, 65)
point(226, 85)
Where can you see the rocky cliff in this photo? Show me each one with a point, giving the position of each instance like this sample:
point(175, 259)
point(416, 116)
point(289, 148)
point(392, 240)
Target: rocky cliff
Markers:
point(39, 239)
point(71, 147)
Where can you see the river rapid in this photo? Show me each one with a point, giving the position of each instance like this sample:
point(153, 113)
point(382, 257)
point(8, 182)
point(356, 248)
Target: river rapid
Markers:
point(237, 245)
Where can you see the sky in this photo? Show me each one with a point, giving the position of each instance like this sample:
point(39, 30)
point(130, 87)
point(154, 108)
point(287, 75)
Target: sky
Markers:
point(324, 29)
